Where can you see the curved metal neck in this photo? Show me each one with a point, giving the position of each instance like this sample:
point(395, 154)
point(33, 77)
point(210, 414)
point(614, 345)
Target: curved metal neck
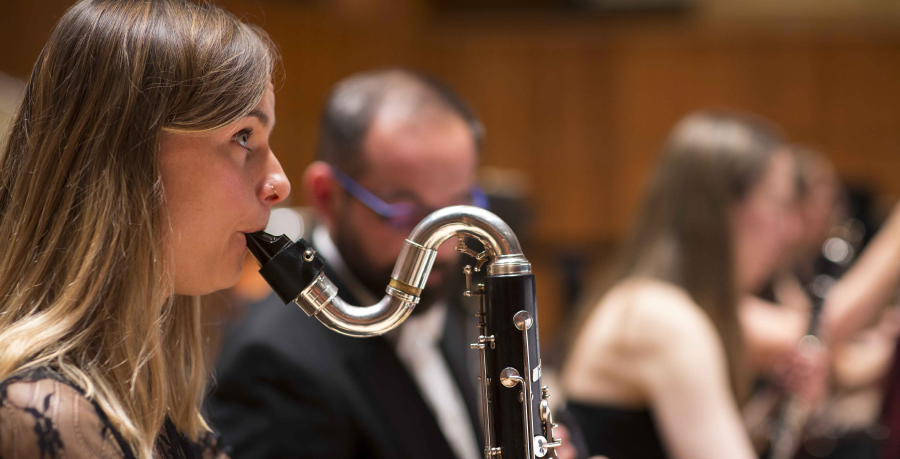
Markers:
point(475, 222)
point(417, 256)
point(411, 271)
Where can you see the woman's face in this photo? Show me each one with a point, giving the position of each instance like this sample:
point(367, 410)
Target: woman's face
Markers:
point(766, 224)
point(219, 185)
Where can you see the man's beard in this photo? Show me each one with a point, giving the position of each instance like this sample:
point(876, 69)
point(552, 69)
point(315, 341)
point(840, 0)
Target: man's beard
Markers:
point(376, 278)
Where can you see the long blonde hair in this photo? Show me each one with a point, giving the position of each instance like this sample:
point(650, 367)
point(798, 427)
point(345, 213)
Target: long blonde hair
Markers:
point(83, 284)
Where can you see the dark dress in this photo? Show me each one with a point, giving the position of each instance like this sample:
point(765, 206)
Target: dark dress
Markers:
point(43, 415)
point(616, 432)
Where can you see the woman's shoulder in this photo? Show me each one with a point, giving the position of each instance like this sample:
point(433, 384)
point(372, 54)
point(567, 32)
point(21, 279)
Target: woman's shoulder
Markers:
point(640, 329)
point(42, 414)
point(639, 315)
point(669, 335)
point(657, 311)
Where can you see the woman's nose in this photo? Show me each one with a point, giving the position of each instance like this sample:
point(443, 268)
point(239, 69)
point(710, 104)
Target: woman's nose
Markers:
point(277, 187)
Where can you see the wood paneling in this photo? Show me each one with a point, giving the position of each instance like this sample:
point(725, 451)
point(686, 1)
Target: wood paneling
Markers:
point(580, 104)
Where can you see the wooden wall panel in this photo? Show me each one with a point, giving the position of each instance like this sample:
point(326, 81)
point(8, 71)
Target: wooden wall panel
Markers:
point(861, 113)
point(581, 105)
point(657, 85)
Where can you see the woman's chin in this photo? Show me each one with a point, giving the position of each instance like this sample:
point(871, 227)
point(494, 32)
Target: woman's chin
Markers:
point(221, 280)
point(219, 273)
point(233, 276)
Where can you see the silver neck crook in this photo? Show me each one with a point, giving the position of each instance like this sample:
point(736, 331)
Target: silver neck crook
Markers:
point(320, 298)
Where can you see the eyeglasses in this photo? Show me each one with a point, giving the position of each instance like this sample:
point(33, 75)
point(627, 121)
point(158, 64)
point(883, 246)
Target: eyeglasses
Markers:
point(401, 215)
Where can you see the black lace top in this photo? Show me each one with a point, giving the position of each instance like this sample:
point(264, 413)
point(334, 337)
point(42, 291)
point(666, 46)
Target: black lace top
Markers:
point(44, 416)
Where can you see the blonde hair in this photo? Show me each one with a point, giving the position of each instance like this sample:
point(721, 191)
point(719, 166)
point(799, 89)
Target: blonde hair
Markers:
point(83, 284)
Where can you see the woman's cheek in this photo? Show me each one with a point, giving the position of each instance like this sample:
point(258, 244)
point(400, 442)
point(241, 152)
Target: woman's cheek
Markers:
point(233, 191)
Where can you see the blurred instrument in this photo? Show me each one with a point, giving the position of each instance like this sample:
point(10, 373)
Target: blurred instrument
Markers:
point(794, 415)
point(838, 252)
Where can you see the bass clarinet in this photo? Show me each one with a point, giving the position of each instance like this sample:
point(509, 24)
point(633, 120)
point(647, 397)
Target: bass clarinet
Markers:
point(517, 420)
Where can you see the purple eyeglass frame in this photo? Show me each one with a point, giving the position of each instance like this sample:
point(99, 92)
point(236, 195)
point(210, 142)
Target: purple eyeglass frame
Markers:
point(393, 211)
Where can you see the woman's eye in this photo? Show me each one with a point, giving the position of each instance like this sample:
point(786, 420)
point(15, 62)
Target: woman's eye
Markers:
point(242, 138)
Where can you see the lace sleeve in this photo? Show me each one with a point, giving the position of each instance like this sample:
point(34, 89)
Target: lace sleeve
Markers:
point(211, 449)
point(172, 445)
point(48, 419)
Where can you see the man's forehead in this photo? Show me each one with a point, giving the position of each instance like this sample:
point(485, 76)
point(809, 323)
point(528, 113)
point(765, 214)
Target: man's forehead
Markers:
point(431, 159)
point(433, 135)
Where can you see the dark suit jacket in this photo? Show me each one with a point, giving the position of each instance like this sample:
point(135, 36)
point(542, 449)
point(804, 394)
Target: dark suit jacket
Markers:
point(289, 387)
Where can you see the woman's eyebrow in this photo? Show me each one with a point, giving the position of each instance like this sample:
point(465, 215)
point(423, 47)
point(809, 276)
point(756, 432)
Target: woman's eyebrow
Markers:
point(263, 118)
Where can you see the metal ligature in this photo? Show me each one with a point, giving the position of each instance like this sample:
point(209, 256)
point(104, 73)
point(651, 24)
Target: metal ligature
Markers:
point(517, 419)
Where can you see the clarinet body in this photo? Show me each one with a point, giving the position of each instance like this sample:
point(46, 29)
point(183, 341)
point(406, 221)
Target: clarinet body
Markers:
point(517, 420)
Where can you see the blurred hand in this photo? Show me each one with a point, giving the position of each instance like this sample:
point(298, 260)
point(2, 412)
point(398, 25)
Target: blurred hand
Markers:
point(567, 449)
point(804, 372)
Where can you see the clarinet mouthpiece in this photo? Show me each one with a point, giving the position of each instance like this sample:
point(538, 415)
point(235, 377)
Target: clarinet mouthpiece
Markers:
point(265, 246)
point(288, 267)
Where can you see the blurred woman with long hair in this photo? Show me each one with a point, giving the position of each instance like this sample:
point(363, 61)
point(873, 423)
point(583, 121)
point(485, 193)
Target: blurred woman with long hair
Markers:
point(137, 161)
point(657, 368)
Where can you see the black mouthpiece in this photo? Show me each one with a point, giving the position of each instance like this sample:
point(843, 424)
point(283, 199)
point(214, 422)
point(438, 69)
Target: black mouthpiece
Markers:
point(265, 246)
point(288, 267)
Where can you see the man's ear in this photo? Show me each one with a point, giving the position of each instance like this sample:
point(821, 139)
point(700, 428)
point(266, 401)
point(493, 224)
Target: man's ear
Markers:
point(321, 192)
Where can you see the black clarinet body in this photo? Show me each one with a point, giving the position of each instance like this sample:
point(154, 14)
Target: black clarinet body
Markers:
point(511, 318)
